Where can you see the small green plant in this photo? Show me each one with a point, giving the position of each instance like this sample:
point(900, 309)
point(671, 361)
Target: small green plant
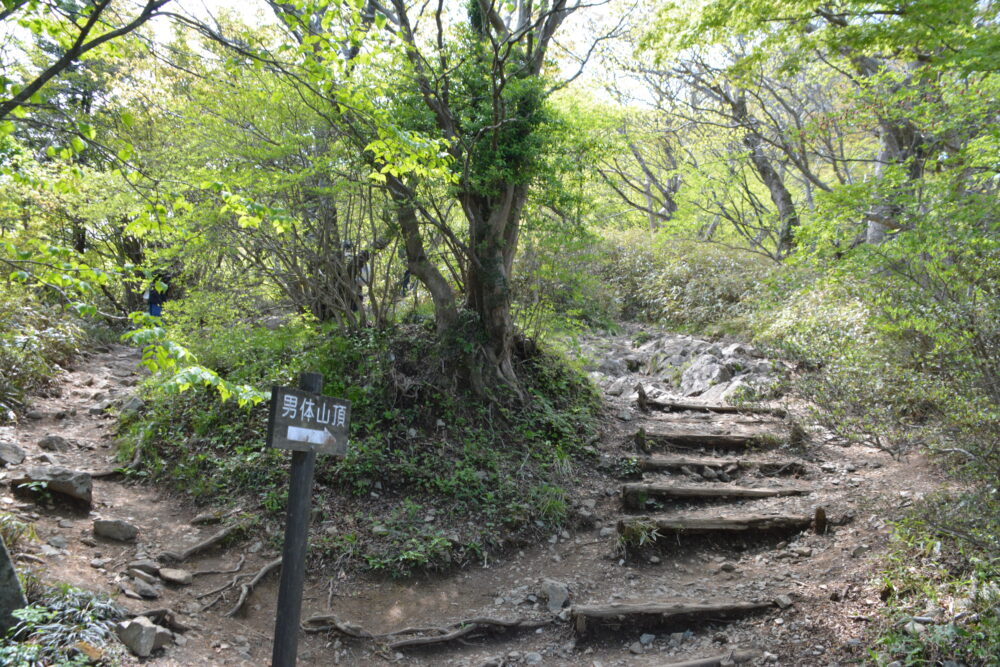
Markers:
point(628, 467)
point(15, 532)
point(50, 629)
point(637, 534)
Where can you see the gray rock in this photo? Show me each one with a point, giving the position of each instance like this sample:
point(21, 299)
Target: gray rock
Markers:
point(177, 576)
point(613, 367)
point(557, 594)
point(115, 529)
point(915, 628)
point(35, 414)
point(735, 350)
point(133, 405)
point(704, 372)
point(98, 563)
point(617, 387)
point(145, 565)
point(163, 637)
point(606, 531)
point(54, 443)
point(145, 590)
point(11, 595)
point(11, 454)
point(143, 576)
point(58, 541)
point(647, 639)
point(709, 474)
point(532, 658)
point(72, 483)
point(783, 601)
point(636, 648)
point(139, 635)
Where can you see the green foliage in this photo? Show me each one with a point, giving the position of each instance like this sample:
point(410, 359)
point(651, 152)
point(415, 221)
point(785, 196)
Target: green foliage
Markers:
point(14, 532)
point(934, 565)
point(35, 338)
point(51, 627)
point(487, 473)
point(686, 286)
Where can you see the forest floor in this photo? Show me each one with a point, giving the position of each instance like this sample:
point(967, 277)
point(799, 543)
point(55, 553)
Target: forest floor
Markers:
point(824, 584)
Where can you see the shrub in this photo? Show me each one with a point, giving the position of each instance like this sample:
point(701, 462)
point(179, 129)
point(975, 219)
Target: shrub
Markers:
point(684, 285)
point(34, 338)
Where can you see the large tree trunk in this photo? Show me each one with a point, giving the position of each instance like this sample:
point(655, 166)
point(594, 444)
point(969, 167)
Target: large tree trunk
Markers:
point(494, 224)
point(443, 296)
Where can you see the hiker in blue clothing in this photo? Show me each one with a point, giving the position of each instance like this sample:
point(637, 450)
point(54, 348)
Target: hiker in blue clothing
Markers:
point(156, 297)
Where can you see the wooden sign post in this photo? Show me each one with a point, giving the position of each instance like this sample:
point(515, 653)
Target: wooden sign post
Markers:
point(307, 423)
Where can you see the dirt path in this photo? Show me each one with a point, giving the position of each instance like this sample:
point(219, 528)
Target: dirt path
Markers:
point(822, 582)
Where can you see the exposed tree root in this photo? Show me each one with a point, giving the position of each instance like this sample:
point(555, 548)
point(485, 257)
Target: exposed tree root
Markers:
point(248, 587)
point(430, 636)
point(733, 657)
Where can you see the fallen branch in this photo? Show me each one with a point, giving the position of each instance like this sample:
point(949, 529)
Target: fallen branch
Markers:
point(181, 556)
point(248, 587)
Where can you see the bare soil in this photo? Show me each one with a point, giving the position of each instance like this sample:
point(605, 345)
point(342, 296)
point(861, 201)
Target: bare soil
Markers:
point(829, 577)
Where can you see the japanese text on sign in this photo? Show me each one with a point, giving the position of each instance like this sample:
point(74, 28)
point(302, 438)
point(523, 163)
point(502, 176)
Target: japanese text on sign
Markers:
point(309, 411)
point(303, 421)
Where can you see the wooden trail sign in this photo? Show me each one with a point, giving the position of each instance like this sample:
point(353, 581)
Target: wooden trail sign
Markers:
point(308, 422)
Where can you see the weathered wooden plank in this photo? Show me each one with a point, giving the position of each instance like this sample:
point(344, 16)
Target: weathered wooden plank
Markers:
point(702, 525)
point(672, 436)
point(660, 612)
point(634, 494)
point(656, 462)
point(681, 406)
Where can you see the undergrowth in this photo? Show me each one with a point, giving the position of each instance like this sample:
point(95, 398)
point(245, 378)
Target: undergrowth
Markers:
point(35, 337)
point(942, 589)
point(60, 627)
point(434, 476)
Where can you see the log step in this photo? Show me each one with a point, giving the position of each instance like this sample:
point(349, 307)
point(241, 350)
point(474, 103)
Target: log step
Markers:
point(660, 613)
point(659, 435)
point(643, 529)
point(665, 462)
point(681, 406)
point(634, 495)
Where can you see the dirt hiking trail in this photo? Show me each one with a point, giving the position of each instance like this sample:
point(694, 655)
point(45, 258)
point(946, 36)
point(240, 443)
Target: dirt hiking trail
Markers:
point(751, 543)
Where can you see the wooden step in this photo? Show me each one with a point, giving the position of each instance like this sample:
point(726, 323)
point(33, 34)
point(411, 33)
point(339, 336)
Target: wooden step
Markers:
point(667, 462)
point(676, 437)
point(662, 613)
point(638, 530)
point(634, 495)
point(681, 406)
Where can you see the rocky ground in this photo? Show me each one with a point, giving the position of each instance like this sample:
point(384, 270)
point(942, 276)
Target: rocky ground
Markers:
point(729, 561)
